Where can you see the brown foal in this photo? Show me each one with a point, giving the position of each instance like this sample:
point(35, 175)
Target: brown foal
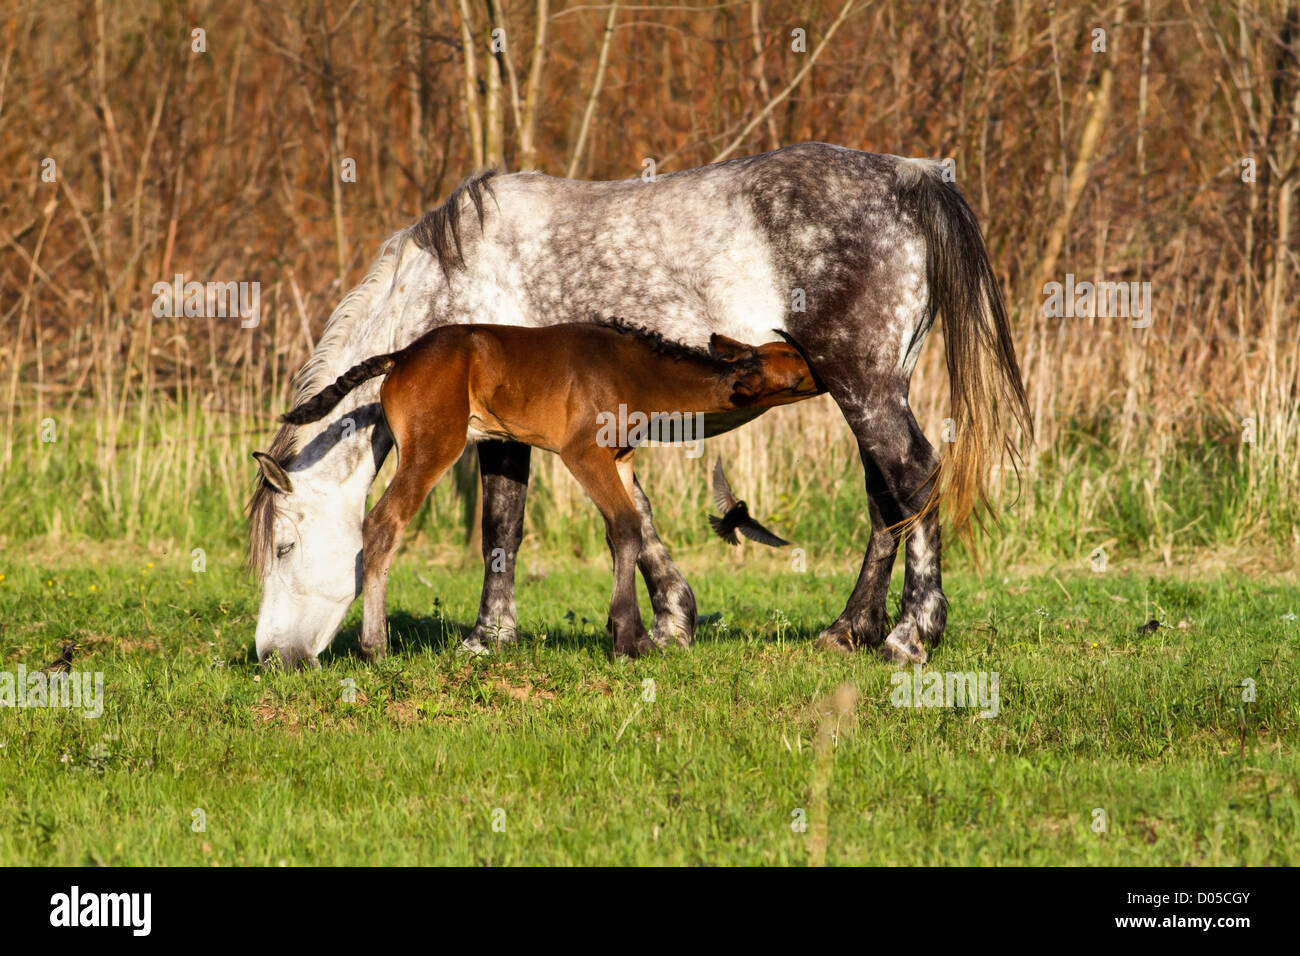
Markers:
point(549, 387)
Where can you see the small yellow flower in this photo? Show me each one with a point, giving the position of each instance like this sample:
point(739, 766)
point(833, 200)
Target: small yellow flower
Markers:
point(149, 565)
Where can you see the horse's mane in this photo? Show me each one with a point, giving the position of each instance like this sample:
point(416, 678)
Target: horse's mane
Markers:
point(656, 342)
point(316, 373)
point(438, 230)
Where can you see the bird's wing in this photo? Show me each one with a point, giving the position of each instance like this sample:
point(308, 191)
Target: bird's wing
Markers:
point(723, 499)
point(754, 531)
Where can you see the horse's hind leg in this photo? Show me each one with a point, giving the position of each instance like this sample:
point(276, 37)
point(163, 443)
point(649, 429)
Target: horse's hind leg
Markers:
point(863, 619)
point(670, 595)
point(900, 465)
point(504, 467)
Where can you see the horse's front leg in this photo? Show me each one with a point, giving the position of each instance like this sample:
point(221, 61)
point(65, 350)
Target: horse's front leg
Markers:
point(504, 466)
point(381, 534)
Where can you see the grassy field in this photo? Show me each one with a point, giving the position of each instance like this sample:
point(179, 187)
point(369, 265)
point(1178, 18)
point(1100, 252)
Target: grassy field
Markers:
point(1168, 447)
point(747, 749)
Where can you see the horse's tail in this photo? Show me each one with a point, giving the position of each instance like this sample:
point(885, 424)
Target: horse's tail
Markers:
point(986, 394)
point(320, 404)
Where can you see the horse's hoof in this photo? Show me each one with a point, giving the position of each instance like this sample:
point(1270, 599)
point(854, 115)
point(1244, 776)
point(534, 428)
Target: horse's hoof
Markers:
point(639, 646)
point(289, 662)
point(373, 654)
point(675, 619)
point(473, 647)
point(838, 638)
point(903, 646)
point(672, 632)
point(496, 635)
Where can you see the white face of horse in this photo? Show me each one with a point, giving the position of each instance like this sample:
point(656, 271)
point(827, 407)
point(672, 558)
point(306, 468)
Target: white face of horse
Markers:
point(312, 567)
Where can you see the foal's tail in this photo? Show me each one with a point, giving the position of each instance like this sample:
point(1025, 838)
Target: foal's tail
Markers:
point(320, 404)
point(985, 390)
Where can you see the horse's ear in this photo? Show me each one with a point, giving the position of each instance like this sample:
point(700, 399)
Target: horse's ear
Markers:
point(275, 475)
point(729, 350)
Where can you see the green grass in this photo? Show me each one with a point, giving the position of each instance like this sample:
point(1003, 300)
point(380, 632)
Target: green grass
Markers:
point(1198, 494)
point(1151, 728)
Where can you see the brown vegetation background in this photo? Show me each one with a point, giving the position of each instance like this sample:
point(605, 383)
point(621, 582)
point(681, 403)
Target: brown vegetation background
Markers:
point(224, 165)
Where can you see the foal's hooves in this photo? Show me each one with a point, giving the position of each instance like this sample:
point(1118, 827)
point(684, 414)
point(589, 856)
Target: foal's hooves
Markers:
point(374, 652)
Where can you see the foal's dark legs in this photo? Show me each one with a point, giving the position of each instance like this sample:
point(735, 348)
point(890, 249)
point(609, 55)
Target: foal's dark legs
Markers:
point(424, 461)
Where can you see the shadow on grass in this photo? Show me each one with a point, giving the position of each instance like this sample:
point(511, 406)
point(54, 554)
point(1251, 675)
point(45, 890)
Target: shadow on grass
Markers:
point(407, 634)
point(410, 634)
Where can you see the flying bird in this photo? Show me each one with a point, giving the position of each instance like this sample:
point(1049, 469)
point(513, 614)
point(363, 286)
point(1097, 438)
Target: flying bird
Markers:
point(735, 515)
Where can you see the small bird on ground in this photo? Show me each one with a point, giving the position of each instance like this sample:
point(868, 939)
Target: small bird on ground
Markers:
point(63, 662)
point(735, 515)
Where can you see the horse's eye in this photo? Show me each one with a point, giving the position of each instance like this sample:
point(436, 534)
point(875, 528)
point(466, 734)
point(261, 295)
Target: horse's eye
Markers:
point(283, 549)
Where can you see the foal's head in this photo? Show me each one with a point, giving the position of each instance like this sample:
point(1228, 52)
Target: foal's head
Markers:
point(771, 374)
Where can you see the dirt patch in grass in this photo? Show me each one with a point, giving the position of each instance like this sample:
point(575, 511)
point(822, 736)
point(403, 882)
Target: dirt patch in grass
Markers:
point(403, 712)
point(271, 713)
point(525, 692)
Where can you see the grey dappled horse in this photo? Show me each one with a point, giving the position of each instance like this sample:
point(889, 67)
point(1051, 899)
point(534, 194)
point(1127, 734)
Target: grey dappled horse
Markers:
point(849, 255)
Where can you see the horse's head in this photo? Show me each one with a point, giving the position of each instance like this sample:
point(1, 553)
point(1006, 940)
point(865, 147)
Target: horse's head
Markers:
point(786, 376)
point(305, 545)
point(771, 374)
